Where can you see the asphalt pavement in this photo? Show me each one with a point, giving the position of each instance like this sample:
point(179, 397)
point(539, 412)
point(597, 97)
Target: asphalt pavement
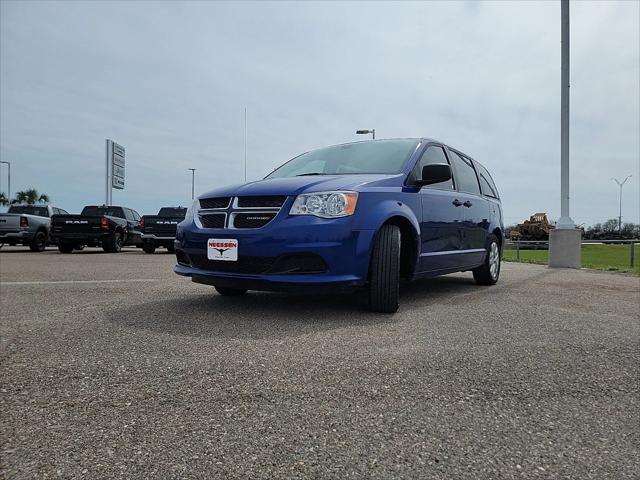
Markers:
point(111, 366)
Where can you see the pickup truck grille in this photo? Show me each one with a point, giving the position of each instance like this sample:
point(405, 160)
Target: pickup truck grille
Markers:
point(239, 212)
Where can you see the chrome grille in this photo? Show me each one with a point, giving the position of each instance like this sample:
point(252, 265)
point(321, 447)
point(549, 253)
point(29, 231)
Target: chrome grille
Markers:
point(246, 212)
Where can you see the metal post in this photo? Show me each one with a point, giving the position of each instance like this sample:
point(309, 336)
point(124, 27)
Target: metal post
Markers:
point(245, 144)
point(518, 250)
point(193, 177)
point(565, 221)
point(373, 132)
point(106, 172)
point(632, 254)
point(8, 179)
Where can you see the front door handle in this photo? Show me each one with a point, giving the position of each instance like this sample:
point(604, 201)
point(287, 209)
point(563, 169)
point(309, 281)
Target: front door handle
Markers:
point(457, 202)
point(467, 203)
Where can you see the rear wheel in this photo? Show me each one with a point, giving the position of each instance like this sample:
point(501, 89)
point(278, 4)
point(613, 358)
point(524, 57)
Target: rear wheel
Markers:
point(230, 292)
point(39, 242)
point(113, 244)
point(148, 247)
point(489, 272)
point(384, 271)
point(65, 247)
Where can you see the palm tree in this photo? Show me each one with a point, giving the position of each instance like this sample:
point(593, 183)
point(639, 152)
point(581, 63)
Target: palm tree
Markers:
point(3, 199)
point(30, 197)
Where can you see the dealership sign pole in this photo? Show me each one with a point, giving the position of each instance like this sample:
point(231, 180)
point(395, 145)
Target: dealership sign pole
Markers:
point(115, 169)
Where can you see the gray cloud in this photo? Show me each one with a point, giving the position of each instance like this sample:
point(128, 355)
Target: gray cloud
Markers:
point(169, 81)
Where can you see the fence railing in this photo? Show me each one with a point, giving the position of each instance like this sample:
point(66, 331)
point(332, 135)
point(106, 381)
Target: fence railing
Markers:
point(518, 245)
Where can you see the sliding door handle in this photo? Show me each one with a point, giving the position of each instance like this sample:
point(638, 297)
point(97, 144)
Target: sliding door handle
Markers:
point(457, 202)
point(467, 203)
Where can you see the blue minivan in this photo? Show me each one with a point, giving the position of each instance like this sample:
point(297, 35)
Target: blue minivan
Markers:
point(364, 214)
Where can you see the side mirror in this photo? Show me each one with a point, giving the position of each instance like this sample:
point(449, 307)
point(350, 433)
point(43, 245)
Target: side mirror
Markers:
point(435, 173)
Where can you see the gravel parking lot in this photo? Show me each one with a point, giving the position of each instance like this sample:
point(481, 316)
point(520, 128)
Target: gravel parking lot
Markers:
point(114, 367)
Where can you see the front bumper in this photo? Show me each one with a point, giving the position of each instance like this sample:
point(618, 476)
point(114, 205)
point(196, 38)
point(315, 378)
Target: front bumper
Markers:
point(344, 251)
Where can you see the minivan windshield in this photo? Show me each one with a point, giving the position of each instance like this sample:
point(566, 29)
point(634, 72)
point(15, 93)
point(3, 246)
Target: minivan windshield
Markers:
point(379, 156)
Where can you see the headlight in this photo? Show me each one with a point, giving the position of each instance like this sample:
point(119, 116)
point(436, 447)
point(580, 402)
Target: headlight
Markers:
point(325, 204)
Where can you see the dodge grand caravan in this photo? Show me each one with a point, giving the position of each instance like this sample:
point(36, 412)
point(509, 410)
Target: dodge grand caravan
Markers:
point(365, 214)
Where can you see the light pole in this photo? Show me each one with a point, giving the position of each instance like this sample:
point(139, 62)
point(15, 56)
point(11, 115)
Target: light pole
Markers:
point(621, 184)
point(193, 180)
point(8, 179)
point(367, 132)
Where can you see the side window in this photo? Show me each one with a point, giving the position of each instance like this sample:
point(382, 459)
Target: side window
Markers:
point(136, 215)
point(128, 214)
point(487, 186)
point(63, 212)
point(55, 211)
point(433, 154)
point(465, 174)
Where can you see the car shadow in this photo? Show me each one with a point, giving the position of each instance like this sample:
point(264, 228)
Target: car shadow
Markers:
point(260, 315)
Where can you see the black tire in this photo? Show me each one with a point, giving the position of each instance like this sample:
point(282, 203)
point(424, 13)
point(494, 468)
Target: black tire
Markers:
point(230, 292)
point(65, 247)
point(39, 242)
point(148, 247)
point(113, 244)
point(489, 272)
point(384, 271)
point(79, 246)
point(171, 248)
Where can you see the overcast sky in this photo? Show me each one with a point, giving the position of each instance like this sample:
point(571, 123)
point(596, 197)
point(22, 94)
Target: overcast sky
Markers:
point(170, 81)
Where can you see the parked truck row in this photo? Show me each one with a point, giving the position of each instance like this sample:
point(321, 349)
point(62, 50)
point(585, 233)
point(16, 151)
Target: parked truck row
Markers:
point(109, 227)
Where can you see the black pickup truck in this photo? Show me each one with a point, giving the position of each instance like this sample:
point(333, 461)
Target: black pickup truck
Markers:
point(111, 227)
point(160, 230)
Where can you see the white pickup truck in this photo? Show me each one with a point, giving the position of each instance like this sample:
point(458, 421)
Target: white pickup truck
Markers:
point(28, 225)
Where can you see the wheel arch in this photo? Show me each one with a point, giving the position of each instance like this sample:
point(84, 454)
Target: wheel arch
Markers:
point(409, 244)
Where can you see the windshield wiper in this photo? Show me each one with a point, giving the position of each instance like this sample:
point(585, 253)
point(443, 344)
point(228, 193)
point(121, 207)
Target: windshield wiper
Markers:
point(308, 174)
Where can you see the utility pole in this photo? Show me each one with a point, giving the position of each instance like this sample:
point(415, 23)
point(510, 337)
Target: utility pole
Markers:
point(8, 179)
point(621, 184)
point(193, 181)
point(245, 144)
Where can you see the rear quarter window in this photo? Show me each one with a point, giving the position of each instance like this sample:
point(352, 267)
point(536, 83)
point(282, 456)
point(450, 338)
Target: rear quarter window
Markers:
point(487, 186)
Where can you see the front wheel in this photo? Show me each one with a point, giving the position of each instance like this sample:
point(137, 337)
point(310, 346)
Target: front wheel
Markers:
point(384, 271)
point(230, 292)
point(39, 242)
point(489, 272)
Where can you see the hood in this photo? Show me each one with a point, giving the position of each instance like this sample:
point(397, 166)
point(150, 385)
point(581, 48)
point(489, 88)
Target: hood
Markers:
point(310, 184)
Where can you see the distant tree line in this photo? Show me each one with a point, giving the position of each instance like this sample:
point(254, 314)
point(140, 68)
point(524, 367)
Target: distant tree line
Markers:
point(30, 196)
point(611, 230)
